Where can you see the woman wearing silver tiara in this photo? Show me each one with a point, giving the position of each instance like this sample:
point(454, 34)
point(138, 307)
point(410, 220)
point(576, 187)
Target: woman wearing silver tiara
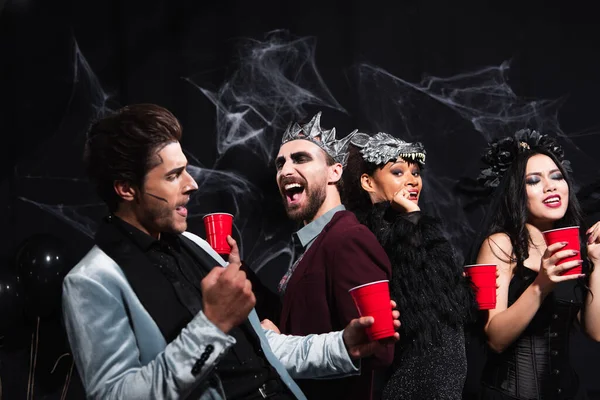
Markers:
point(382, 185)
point(528, 331)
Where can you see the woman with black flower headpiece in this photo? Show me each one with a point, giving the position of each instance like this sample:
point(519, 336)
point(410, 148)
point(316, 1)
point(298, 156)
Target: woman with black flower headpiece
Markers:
point(537, 306)
point(382, 185)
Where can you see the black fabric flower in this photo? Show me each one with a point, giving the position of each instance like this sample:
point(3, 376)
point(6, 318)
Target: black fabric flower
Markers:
point(500, 154)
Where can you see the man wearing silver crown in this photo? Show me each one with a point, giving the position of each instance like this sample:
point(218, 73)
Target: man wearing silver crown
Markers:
point(152, 311)
point(337, 252)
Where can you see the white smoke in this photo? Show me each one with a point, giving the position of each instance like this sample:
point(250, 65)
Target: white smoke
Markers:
point(276, 79)
point(455, 117)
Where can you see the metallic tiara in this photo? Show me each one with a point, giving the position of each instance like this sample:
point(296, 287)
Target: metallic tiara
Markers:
point(325, 139)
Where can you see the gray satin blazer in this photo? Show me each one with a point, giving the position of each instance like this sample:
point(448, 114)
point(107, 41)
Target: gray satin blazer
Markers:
point(120, 352)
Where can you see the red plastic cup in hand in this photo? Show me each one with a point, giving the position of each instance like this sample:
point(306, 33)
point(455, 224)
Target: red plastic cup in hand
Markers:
point(483, 279)
point(571, 236)
point(373, 299)
point(218, 226)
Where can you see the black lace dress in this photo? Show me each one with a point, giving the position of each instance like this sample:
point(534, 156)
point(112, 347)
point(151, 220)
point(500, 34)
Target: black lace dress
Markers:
point(537, 365)
point(434, 301)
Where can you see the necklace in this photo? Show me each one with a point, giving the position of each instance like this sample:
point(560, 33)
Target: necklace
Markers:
point(537, 248)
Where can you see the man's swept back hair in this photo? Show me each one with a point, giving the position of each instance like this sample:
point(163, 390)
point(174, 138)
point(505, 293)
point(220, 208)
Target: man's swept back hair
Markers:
point(123, 147)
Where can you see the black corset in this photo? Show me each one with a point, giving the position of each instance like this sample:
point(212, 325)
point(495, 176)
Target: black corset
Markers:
point(537, 364)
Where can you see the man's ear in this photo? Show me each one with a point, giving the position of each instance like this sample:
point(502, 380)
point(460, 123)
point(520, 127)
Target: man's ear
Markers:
point(367, 183)
point(335, 173)
point(125, 190)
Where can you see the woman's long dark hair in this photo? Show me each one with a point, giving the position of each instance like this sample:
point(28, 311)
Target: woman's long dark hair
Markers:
point(354, 197)
point(508, 212)
point(426, 280)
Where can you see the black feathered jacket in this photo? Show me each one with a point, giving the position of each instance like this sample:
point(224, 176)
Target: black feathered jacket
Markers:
point(427, 281)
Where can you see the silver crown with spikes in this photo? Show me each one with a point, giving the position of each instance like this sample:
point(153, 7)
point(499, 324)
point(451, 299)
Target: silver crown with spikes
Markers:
point(383, 147)
point(325, 139)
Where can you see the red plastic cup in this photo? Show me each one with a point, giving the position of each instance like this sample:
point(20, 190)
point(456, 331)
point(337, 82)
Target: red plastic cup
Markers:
point(483, 278)
point(373, 299)
point(571, 236)
point(218, 226)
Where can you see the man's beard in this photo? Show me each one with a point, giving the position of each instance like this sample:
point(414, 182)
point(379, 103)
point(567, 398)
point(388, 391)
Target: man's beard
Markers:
point(314, 202)
point(161, 218)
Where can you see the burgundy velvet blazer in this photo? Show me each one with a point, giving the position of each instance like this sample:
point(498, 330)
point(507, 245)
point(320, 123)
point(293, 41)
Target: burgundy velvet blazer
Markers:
point(344, 255)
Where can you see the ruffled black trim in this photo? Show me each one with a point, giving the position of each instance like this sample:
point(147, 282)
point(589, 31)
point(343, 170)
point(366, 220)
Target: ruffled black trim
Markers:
point(500, 154)
point(427, 281)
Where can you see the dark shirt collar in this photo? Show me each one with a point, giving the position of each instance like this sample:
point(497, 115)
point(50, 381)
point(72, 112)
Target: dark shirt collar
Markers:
point(141, 239)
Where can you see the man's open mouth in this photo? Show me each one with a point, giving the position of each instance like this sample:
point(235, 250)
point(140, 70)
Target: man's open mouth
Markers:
point(293, 192)
point(182, 210)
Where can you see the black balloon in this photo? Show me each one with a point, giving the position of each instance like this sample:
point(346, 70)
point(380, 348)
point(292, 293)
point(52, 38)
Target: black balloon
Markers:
point(42, 263)
point(11, 302)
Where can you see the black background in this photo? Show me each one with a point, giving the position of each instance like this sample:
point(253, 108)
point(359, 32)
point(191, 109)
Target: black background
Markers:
point(64, 63)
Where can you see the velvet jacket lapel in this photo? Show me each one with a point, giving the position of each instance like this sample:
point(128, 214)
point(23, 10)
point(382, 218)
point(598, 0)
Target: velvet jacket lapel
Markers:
point(307, 257)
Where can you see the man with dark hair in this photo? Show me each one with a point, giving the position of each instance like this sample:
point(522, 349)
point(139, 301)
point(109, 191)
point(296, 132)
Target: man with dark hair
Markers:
point(150, 313)
point(337, 253)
